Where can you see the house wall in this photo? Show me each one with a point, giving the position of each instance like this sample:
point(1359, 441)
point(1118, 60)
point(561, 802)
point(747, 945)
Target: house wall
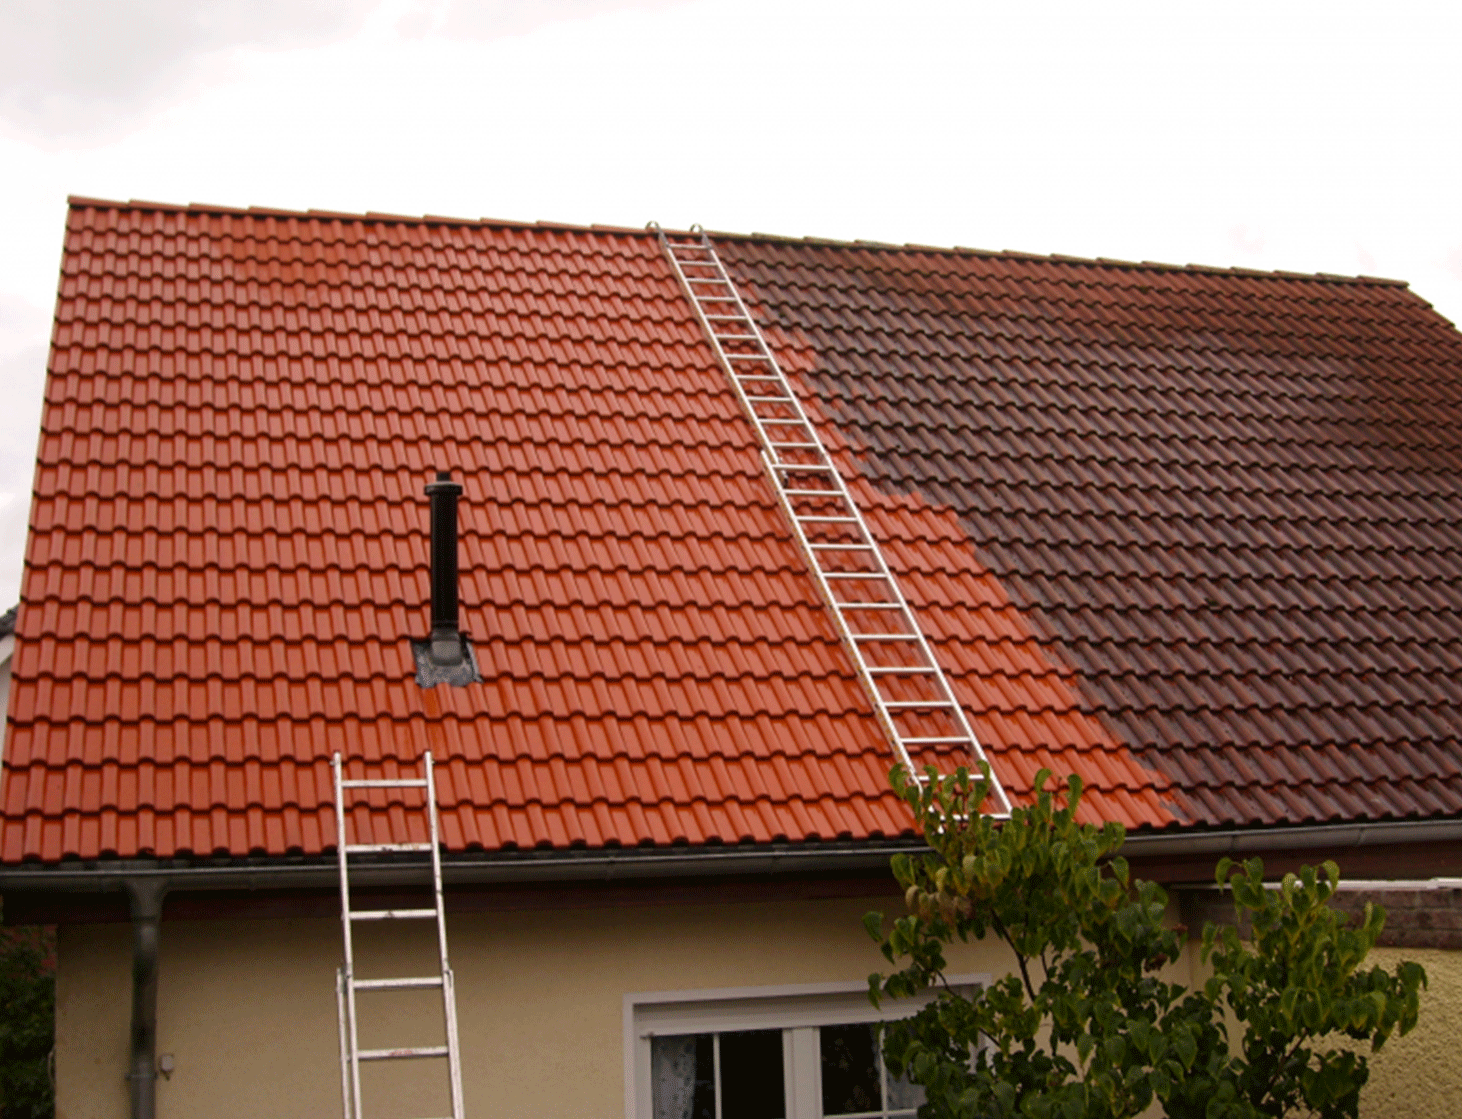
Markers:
point(247, 1007)
point(1420, 1075)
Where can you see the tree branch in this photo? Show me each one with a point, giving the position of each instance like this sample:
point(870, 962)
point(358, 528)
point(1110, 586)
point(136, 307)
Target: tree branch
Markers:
point(1025, 974)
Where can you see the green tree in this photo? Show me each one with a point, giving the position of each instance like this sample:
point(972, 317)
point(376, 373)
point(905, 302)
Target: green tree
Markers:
point(1086, 1027)
point(1298, 982)
point(27, 1022)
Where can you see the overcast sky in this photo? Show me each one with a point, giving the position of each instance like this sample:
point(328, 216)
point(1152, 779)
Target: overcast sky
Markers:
point(1300, 136)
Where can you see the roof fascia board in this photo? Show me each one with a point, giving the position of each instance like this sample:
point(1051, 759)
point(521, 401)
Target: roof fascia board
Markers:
point(641, 864)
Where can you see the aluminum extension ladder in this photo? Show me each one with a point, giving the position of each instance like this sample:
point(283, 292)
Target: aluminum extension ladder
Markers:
point(909, 690)
point(346, 985)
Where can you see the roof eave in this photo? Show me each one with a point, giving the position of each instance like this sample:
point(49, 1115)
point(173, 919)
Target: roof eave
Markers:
point(526, 867)
point(646, 864)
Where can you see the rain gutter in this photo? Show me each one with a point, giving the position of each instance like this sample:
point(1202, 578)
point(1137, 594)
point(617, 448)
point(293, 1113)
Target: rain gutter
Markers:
point(1251, 841)
point(614, 865)
point(640, 863)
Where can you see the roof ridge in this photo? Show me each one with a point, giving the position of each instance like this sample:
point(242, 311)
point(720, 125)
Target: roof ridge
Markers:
point(83, 201)
point(1062, 258)
point(76, 200)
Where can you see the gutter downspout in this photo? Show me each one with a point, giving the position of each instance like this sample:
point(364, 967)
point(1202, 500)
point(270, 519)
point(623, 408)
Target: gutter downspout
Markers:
point(144, 898)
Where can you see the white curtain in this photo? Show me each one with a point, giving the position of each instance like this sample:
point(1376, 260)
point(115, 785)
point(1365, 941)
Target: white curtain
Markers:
point(672, 1070)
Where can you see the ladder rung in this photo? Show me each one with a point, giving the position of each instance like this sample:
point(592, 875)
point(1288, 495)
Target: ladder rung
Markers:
point(827, 520)
point(853, 574)
point(392, 914)
point(397, 1054)
point(869, 605)
point(770, 400)
point(730, 318)
point(840, 547)
point(368, 848)
point(816, 493)
point(751, 357)
point(885, 637)
point(919, 703)
point(935, 739)
point(796, 446)
point(808, 466)
point(412, 984)
point(901, 670)
point(404, 783)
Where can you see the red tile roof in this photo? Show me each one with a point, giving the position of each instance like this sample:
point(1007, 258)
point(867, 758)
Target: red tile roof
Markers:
point(1156, 521)
point(1230, 503)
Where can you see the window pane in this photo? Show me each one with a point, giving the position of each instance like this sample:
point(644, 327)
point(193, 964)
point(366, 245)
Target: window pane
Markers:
point(849, 1070)
point(903, 1096)
point(682, 1074)
point(751, 1075)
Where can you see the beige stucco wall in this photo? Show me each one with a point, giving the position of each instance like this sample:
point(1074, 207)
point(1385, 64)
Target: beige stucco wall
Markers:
point(1419, 1076)
point(247, 1007)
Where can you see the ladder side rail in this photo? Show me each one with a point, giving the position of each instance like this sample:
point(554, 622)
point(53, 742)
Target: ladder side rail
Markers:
point(454, 1053)
point(436, 857)
point(913, 635)
point(838, 491)
point(854, 653)
point(756, 336)
point(340, 984)
point(349, 1030)
point(920, 640)
point(449, 994)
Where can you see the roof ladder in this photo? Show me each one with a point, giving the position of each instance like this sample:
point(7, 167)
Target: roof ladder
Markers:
point(910, 692)
point(347, 985)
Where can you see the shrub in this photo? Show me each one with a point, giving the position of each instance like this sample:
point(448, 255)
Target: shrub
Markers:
point(1087, 1027)
point(27, 1022)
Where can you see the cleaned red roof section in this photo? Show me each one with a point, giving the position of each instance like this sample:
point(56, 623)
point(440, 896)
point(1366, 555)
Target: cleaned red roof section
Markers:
point(229, 556)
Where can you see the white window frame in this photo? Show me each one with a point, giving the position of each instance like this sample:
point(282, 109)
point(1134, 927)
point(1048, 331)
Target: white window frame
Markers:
point(798, 1009)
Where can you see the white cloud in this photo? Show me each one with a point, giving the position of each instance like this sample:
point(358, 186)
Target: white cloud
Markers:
point(21, 386)
point(1307, 135)
point(84, 71)
point(22, 323)
point(80, 69)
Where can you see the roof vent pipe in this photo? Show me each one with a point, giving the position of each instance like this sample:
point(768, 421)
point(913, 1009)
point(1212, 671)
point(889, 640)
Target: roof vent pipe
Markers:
point(446, 656)
point(446, 641)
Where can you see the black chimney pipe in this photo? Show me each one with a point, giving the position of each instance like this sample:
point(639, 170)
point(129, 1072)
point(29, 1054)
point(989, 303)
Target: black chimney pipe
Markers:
point(446, 641)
